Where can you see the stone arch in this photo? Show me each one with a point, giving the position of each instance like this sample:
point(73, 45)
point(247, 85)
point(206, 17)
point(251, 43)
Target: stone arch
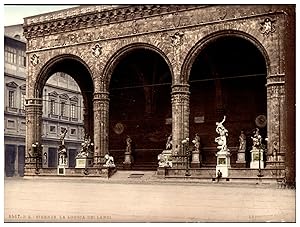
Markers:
point(193, 53)
point(117, 56)
point(48, 69)
point(75, 67)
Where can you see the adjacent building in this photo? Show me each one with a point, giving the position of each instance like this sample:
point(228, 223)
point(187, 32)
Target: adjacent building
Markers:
point(62, 108)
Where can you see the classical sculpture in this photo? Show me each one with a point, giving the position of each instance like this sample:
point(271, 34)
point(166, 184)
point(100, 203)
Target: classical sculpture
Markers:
point(169, 143)
point(109, 161)
point(86, 148)
point(223, 132)
point(164, 159)
point(62, 136)
point(242, 140)
point(128, 145)
point(196, 142)
point(257, 139)
point(62, 155)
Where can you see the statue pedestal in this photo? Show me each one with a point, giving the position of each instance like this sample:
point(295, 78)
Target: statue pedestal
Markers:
point(223, 162)
point(83, 162)
point(196, 159)
point(61, 169)
point(241, 160)
point(257, 159)
point(128, 160)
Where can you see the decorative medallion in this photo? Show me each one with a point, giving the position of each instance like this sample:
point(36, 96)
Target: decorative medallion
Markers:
point(119, 128)
point(97, 50)
point(261, 121)
point(34, 60)
point(267, 27)
point(177, 39)
point(222, 13)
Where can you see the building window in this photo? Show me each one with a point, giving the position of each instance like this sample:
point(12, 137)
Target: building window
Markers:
point(22, 101)
point(22, 58)
point(73, 110)
point(23, 126)
point(52, 106)
point(52, 128)
point(11, 99)
point(73, 131)
point(11, 124)
point(63, 109)
point(10, 55)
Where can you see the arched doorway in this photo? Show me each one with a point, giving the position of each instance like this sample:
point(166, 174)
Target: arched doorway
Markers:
point(227, 77)
point(140, 107)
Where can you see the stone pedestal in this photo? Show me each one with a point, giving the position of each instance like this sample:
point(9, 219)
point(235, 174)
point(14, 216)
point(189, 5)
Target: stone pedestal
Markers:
point(61, 169)
point(241, 160)
point(223, 162)
point(83, 162)
point(128, 160)
point(257, 158)
point(196, 159)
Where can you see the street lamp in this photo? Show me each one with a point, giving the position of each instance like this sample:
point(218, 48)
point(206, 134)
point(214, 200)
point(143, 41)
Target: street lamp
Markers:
point(185, 143)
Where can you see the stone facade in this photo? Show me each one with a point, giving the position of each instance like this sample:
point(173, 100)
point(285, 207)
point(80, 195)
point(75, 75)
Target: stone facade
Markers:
point(94, 38)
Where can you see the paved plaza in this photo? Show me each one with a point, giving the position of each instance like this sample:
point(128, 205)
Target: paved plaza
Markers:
point(134, 200)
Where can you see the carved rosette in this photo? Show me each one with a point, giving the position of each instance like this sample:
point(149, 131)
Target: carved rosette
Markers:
point(267, 27)
point(34, 60)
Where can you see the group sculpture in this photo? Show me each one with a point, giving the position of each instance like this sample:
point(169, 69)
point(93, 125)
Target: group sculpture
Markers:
point(62, 150)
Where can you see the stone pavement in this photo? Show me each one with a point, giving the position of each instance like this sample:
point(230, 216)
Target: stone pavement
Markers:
point(140, 198)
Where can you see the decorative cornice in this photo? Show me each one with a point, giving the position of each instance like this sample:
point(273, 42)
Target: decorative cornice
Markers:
point(93, 19)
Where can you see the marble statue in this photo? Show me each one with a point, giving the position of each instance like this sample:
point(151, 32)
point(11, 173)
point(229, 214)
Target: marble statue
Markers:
point(196, 142)
point(257, 140)
point(223, 132)
point(242, 140)
point(86, 148)
point(169, 143)
point(128, 144)
point(109, 161)
point(62, 155)
point(164, 159)
point(62, 136)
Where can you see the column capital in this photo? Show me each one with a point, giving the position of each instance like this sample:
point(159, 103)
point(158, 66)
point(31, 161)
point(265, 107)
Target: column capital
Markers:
point(180, 89)
point(101, 96)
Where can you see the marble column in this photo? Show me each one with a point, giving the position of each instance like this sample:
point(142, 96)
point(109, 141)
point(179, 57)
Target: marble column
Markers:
point(101, 126)
point(33, 110)
point(180, 121)
point(276, 121)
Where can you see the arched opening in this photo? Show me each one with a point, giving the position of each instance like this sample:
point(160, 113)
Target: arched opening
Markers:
point(66, 87)
point(228, 77)
point(140, 107)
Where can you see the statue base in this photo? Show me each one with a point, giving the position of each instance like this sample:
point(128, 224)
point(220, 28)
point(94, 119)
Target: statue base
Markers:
point(196, 159)
point(223, 162)
point(128, 161)
point(257, 159)
point(61, 169)
point(241, 161)
point(84, 162)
